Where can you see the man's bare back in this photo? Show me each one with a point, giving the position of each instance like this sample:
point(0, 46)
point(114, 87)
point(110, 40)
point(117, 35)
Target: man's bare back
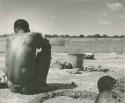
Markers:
point(21, 59)
point(25, 68)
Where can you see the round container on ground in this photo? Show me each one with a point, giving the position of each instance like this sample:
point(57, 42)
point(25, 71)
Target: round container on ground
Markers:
point(76, 60)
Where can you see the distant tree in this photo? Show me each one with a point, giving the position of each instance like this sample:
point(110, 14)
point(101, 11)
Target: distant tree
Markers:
point(81, 36)
point(104, 36)
point(116, 36)
point(97, 35)
point(90, 36)
point(4, 35)
point(122, 36)
point(55, 35)
point(62, 36)
point(67, 36)
point(74, 36)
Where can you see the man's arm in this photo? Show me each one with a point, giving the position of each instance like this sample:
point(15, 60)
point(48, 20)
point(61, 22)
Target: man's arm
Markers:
point(42, 60)
point(40, 41)
point(44, 44)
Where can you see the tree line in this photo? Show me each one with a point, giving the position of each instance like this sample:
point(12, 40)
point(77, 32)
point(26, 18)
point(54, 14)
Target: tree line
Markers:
point(84, 36)
point(79, 36)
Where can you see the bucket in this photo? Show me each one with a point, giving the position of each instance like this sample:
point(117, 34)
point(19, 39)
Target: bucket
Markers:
point(76, 60)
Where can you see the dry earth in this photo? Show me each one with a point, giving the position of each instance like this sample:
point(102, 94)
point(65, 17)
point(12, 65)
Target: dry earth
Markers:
point(67, 87)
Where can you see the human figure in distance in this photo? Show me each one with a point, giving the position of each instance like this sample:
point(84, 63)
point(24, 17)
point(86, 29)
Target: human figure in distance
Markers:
point(27, 69)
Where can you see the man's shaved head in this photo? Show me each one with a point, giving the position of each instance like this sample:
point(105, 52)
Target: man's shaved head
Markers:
point(21, 24)
point(106, 83)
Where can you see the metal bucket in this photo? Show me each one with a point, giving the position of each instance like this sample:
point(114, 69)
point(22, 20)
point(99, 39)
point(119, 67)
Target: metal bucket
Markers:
point(76, 60)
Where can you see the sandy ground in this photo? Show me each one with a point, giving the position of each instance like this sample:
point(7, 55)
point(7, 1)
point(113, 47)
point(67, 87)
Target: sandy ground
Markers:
point(69, 87)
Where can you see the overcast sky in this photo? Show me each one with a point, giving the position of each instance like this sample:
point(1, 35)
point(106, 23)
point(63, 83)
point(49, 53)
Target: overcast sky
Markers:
point(71, 17)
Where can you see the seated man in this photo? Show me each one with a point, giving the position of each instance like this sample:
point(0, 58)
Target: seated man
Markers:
point(27, 69)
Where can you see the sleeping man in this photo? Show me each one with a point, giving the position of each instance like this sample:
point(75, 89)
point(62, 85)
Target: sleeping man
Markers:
point(27, 69)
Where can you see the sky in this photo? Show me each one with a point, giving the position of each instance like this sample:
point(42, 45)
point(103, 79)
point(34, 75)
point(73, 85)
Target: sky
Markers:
point(65, 17)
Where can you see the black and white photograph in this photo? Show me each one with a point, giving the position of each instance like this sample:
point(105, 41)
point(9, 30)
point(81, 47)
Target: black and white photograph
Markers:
point(62, 51)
